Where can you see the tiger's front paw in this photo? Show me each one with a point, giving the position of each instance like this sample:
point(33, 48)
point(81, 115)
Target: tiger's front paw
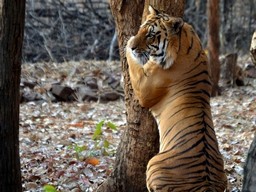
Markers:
point(138, 55)
point(130, 42)
point(129, 48)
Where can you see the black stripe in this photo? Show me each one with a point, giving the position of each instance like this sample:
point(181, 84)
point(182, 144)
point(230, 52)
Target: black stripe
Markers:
point(198, 155)
point(181, 82)
point(170, 129)
point(181, 92)
point(204, 81)
point(184, 108)
point(191, 45)
point(200, 73)
point(158, 54)
point(198, 55)
point(185, 33)
point(204, 101)
point(158, 39)
point(201, 91)
point(180, 39)
point(198, 142)
point(184, 129)
point(164, 42)
point(185, 141)
point(155, 46)
point(198, 164)
point(158, 33)
point(198, 65)
point(163, 62)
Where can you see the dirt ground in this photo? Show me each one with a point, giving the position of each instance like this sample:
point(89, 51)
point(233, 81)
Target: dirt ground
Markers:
point(70, 146)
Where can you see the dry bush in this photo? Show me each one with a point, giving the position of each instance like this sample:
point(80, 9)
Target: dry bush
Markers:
point(60, 30)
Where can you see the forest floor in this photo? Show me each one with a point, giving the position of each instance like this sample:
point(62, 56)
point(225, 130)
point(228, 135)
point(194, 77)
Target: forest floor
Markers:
point(70, 146)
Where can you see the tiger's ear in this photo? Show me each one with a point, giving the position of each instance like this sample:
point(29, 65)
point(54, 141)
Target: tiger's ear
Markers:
point(174, 25)
point(152, 10)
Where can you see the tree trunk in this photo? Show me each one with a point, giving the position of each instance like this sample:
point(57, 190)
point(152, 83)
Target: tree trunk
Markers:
point(170, 7)
point(12, 14)
point(214, 43)
point(229, 69)
point(253, 48)
point(249, 183)
point(140, 139)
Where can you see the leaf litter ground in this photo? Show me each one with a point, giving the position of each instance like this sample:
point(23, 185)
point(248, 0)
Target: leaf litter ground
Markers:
point(58, 146)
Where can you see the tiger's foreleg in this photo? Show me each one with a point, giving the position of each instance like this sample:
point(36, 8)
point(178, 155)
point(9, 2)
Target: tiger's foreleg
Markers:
point(136, 70)
point(140, 75)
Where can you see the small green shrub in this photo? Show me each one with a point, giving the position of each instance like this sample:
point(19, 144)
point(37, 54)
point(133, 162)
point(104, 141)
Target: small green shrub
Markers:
point(49, 188)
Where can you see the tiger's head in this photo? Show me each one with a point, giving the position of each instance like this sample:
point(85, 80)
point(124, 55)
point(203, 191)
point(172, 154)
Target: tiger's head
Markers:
point(157, 34)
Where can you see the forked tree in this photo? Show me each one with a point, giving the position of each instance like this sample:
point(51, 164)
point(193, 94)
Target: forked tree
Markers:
point(12, 14)
point(140, 139)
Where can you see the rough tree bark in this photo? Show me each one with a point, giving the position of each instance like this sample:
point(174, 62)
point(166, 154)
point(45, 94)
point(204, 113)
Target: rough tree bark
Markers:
point(253, 48)
point(249, 183)
point(170, 7)
point(140, 139)
point(229, 64)
point(214, 43)
point(12, 13)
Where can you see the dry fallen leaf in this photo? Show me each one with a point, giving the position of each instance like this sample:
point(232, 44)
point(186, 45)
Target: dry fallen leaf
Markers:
point(78, 124)
point(92, 160)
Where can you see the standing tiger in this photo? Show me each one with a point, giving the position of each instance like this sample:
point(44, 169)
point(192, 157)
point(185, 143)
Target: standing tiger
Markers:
point(169, 73)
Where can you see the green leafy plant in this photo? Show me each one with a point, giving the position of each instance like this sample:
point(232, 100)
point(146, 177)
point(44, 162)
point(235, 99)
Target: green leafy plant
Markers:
point(49, 188)
point(78, 150)
point(111, 126)
point(98, 131)
point(101, 141)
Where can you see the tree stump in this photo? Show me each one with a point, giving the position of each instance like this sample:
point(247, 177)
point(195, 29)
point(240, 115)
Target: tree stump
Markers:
point(253, 48)
point(249, 183)
point(229, 64)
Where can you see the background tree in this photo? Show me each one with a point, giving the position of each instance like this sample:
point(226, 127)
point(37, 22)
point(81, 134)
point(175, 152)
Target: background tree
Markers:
point(64, 33)
point(140, 139)
point(12, 13)
point(253, 48)
point(249, 184)
point(214, 43)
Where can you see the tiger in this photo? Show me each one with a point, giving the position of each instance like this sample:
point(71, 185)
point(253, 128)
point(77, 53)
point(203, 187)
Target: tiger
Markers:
point(170, 75)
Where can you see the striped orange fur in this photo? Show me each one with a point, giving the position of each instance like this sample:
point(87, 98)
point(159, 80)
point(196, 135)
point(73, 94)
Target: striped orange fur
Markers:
point(170, 75)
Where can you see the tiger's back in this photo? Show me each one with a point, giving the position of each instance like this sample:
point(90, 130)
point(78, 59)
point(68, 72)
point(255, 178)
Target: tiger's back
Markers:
point(170, 75)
